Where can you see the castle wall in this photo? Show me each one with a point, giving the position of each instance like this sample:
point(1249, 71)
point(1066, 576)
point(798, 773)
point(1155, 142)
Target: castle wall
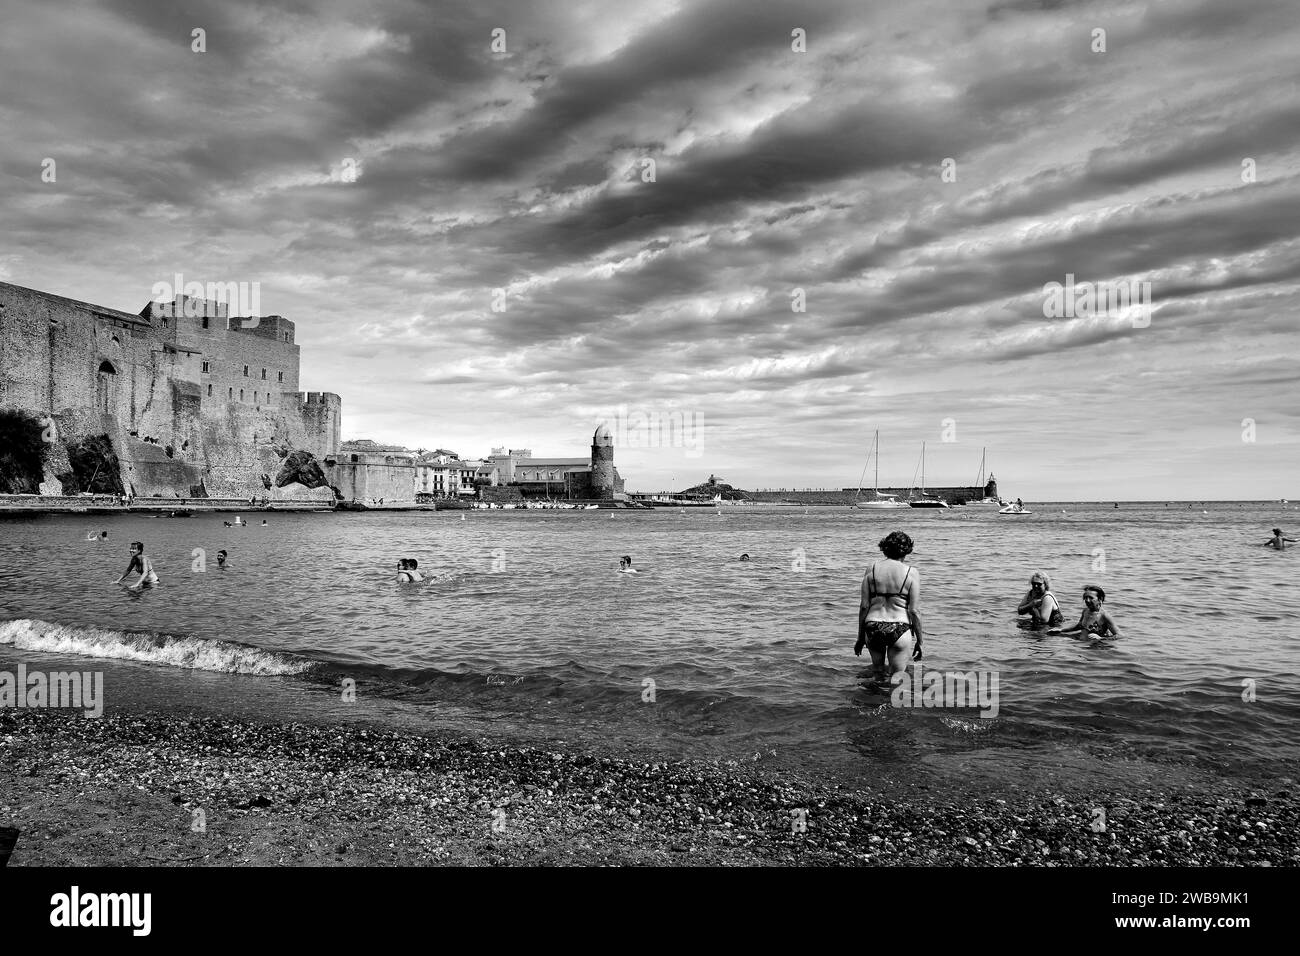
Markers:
point(364, 480)
point(320, 414)
point(194, 387)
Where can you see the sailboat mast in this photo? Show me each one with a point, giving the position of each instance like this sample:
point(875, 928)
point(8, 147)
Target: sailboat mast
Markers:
point(922, 466)
point(877, 462)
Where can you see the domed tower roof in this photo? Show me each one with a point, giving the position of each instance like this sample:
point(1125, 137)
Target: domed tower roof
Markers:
point(602, 436)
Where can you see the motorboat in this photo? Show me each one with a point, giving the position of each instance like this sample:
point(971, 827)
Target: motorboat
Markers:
point(1015, 510)
point(927, 501)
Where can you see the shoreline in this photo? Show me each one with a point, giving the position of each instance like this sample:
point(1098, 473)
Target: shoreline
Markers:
point(127, 789)
point(161, 507)
point(103, 505)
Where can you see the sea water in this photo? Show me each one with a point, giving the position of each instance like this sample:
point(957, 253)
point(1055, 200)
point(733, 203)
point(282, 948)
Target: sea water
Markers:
point(524, 630)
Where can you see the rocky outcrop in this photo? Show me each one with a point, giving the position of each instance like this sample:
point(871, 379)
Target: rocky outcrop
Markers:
point(300, 467)
point(92, 466)
point(22, 452)
point(714, 487)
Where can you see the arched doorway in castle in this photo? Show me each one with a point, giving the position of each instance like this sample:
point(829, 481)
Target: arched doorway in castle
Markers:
point(104, 387)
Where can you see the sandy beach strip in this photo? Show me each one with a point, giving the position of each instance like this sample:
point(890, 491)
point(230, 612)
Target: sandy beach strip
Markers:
point(153, 788)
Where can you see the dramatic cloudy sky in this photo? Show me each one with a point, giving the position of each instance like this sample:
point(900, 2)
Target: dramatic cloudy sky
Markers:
point(775, 170)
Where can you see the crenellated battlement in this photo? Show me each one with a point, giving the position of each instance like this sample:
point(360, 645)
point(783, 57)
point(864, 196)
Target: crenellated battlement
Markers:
point(319, 398)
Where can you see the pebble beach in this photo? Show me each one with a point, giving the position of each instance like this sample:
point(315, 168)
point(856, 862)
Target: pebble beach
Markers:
point(153, 788)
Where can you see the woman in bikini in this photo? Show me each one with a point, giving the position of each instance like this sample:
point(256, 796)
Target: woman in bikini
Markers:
point(148, 578)
point(1094, 621)
point(1040, 603)
point(888, 615)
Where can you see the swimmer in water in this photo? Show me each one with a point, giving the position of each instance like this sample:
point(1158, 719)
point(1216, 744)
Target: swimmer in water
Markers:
point(221, 558)
point(625, 564)
point(1278, 541)
point(263, 522)
point(141, 564)
point(407, 572)
point(1093, 621)
point(744, 557)
point(1040, 603)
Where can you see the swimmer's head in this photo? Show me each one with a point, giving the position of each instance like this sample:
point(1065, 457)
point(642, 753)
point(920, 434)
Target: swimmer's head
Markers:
point(1277, 531)
point(221, 556)
point(744, 557)
point(1096, 593)
point(1040, 581)
point(401, 563)
point(625, 562)
point(412, 563)
point(896, 545)
point(103, 534)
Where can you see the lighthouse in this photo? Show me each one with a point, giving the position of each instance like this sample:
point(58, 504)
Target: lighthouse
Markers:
point(602, 463)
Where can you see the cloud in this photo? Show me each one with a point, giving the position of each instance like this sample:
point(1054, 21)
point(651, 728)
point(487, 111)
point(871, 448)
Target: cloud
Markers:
point(775, 171)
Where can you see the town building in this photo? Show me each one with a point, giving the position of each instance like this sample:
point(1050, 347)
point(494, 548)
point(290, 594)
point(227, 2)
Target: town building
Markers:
point(567, 478)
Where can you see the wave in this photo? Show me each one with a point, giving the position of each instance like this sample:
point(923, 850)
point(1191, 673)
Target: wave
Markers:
point(197, 653)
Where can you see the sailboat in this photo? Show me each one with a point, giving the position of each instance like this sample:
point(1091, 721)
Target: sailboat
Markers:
point(979, 483)
point(879, 502)
point(926, 500)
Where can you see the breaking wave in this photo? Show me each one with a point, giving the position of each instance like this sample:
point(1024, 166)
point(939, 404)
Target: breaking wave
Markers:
point(166, 649)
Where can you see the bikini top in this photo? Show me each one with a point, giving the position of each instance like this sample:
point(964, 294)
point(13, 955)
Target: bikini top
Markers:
point(879, 594)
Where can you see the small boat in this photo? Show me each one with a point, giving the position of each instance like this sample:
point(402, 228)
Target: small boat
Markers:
point(926, 500)
point(979, 483)
point(592, 508)
point(880, 502)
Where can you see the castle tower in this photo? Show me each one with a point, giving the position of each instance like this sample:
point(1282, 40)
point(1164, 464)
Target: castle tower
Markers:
point(602, 463)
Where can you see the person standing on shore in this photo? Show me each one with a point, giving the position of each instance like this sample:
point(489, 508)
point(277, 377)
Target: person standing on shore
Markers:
point(1040, 603)
point(1278, 541)
point(889, 621)
point(141, 564)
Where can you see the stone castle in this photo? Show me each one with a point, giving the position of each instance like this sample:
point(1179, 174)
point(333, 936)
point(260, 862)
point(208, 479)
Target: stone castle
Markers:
point(180, 400)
